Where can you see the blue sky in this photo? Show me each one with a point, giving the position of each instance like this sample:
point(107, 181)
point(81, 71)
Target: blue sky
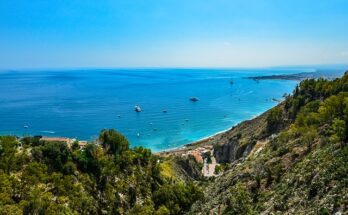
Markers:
point(172, 33)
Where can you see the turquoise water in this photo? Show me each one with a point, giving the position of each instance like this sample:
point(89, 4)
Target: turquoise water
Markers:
point(80, 103)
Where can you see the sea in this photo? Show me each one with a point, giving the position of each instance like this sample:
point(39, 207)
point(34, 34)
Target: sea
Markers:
point(80, 103)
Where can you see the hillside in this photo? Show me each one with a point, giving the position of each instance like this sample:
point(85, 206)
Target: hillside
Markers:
point(297, 164)
point(106, 177)
point(292, 159)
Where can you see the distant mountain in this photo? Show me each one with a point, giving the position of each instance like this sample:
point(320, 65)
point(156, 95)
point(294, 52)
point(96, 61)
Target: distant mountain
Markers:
point(322, 73)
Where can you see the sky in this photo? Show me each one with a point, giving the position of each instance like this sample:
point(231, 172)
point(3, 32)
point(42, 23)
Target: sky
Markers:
point(172, 33)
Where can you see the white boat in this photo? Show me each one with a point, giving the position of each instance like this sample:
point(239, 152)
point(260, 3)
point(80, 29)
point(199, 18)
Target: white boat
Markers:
point(137, 108)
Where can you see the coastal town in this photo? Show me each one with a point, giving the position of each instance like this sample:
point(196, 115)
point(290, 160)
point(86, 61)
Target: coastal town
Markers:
point(204, 155)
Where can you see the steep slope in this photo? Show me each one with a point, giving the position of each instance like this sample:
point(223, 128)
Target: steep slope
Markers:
point(299, 162)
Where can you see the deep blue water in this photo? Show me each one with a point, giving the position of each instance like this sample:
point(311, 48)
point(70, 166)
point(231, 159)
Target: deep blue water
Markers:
point(80, 103)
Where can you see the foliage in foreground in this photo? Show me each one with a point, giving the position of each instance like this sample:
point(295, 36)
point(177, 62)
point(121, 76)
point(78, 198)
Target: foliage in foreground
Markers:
point(107, 178)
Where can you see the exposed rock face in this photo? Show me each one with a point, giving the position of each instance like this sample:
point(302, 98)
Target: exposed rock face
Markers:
point(239, 141)
point(189, 168)
point(231, 151)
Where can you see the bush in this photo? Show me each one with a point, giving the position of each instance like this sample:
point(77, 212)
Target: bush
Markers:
point(274, 120)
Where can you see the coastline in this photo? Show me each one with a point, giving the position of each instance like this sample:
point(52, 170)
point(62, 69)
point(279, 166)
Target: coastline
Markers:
point(247, 127)
point(189, 146)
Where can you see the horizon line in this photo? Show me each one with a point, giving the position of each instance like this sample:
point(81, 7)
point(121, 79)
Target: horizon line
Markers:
point(304, 66)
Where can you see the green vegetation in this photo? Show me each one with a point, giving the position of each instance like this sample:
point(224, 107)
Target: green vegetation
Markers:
point(167, 169)
point(108, 178)
point(303, 167)
point(274, 119)
point(298, 167)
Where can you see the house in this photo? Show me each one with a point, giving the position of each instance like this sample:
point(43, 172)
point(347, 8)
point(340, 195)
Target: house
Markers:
point(68, 141)
point(82, 143)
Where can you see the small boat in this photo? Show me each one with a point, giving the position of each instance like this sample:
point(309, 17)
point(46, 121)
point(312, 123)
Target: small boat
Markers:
point(151, 123)
point(164, 111)
point(137, 108)
point(194, 99)
point(231, 82)
point(155, 129)
point(26, 126)
point(186, 120)
point(119, 116)
point(138, 134)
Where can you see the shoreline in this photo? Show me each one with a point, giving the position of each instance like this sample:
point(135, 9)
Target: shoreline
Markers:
point(200, 142)
point(208, 140)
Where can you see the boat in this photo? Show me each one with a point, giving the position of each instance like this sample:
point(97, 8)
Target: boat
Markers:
point(164, 111)
point(26, 126)
point(231, 82)
point(137, 108)
point(194, 99)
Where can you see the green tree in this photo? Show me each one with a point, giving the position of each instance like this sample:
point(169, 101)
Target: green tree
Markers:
point(8, 148)
point(113, 142)
point(177, 197)
point(55, 155)
point(240, 202)
point(274, 119)
point(339, 130)
point(162, 210)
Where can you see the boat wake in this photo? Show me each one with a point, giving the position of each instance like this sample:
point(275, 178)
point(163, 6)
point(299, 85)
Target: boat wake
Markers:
point(48, 132)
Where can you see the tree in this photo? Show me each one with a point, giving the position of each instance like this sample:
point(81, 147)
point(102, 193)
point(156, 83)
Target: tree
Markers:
point(240, 201)
point(177, 197)
point(274, 119)
point(34, 173)
point(8, 147)
point(69, 168)
point(339, 130)
point(88, 159)
point(55, 155)
point(113, 142)
point(162, 210)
